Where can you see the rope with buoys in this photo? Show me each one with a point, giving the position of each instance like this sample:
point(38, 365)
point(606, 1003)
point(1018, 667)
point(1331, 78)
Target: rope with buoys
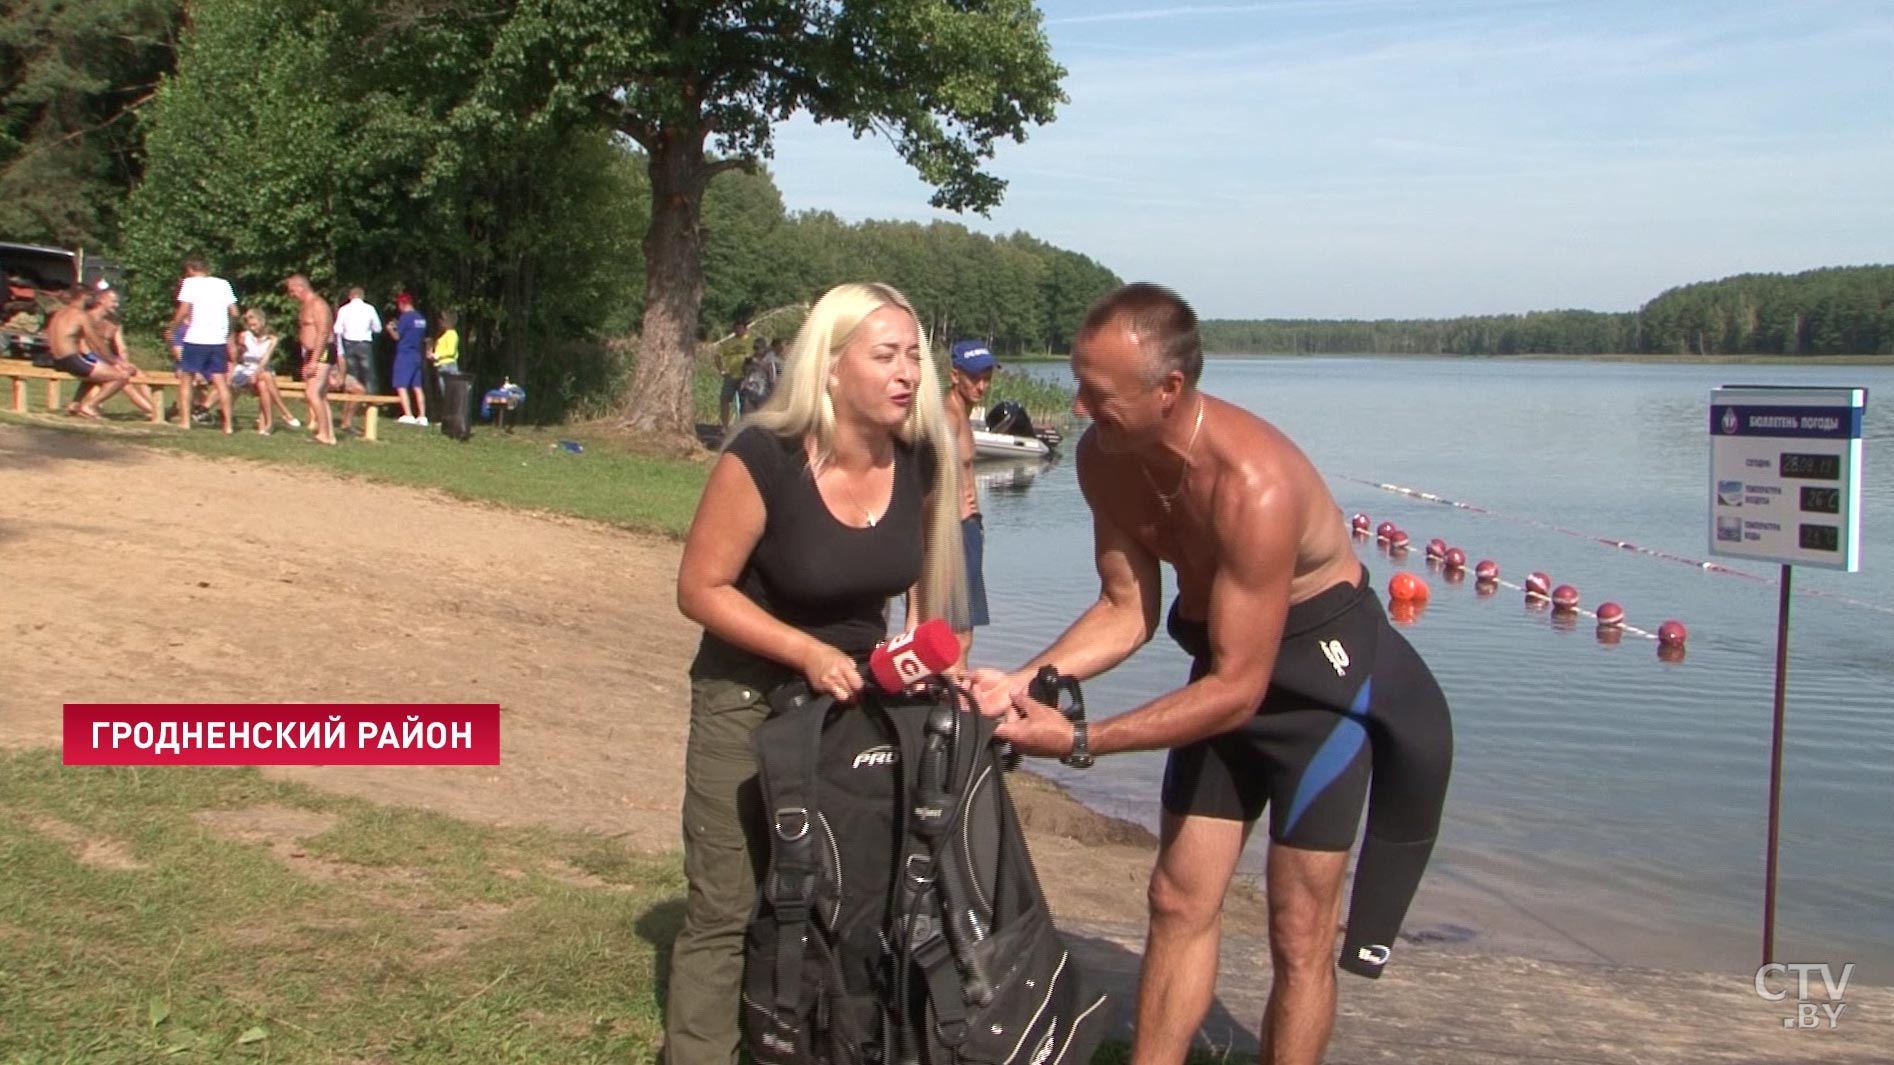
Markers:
point(1408, 593)
point(1608, 541)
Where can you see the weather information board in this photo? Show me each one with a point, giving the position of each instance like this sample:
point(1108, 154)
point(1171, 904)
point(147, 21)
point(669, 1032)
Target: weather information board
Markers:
point(1785, 475)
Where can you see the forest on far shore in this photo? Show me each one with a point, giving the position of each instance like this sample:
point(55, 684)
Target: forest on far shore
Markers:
point(1844, 310)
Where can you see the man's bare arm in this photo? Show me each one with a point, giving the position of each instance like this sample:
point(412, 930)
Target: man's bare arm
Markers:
point(1249, 604)
point(1124, 617)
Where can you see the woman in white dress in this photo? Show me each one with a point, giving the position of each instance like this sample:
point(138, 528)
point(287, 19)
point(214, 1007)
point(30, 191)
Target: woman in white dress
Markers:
point(252, 372)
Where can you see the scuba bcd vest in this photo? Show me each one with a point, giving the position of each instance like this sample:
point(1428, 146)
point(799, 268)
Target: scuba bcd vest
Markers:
point(901, 922)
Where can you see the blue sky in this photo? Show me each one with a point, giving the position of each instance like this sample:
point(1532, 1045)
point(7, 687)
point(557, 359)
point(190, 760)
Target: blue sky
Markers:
point(1378, 158)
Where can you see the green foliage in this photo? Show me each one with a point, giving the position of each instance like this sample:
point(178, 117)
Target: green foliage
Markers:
point(700, 86)
point(71, 76)
point(338, 161)
point(1837, 311)
point(1017, 293)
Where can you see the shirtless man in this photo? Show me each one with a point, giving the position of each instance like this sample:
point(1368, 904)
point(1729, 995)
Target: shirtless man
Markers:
point(1299, 686)
point(314, 323)
point(108, 345)
point(73, 343)
point(970, 372)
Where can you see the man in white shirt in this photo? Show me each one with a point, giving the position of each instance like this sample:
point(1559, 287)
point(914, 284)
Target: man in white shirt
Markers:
point(206, 307)
point(357, 323)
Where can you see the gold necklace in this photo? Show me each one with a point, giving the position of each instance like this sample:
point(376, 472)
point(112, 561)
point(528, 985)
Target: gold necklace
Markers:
point(855, 500)
point(1166, 500)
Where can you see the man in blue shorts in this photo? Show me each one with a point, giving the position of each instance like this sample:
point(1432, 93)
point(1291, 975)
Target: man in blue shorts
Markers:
point(969, 373)
point(409, 329)
point(1300, 691)
point(206, 308)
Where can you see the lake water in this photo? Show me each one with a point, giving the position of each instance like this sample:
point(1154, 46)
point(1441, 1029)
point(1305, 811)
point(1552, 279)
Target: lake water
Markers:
point(1606, 806)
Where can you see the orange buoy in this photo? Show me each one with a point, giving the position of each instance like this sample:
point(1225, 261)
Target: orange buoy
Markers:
point(1564, 598)
point(1405, 587)
point(1405, 611)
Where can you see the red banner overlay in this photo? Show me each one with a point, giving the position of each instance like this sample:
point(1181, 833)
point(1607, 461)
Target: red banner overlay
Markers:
point(282, 734)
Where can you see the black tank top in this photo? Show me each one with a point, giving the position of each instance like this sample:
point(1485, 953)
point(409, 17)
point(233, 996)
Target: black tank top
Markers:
point(810, 570)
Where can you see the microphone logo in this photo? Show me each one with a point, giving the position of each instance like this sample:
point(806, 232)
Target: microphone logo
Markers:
point(909, 667)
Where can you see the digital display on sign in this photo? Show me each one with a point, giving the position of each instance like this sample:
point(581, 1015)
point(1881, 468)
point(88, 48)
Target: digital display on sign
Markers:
point(1809, 467)
point(1821, 538)
point(1785, 474)
point(1818, 500)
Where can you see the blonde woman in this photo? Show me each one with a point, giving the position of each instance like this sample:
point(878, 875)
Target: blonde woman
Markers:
point(252, 373)
point(841, 493)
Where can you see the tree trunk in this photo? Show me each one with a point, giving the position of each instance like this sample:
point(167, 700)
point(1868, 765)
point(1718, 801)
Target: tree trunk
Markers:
point(660, 396)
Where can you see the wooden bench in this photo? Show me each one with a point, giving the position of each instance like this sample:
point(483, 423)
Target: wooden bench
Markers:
point(21, 371)
point(372, 405)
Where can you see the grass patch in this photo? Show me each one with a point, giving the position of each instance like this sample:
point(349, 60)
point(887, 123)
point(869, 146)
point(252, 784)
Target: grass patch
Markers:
point(1048, 403)
point(260, 920)
point(388, 935)
point(610, 481)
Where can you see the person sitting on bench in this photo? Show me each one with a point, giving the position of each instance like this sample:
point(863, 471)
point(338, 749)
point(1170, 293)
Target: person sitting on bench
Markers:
point(73, 338)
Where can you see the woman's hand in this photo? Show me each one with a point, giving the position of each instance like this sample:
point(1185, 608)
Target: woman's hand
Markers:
point(830, 672)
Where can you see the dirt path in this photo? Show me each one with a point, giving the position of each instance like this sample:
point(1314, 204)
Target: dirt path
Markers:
point(233, 581)
point(128, 574)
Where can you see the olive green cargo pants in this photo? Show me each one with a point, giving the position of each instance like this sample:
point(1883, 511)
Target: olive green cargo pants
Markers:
point(725, 854)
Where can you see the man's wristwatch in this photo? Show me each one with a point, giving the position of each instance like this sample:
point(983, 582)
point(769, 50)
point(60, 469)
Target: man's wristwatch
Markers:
point(1081, 756)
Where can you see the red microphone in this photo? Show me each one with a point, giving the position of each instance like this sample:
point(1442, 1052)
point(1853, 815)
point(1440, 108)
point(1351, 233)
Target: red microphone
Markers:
point(914, 656)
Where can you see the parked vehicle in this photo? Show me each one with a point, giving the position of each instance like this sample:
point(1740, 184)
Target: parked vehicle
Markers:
point(36, 277)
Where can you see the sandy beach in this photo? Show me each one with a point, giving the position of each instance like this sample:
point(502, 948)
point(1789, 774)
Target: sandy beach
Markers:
point(131, 574)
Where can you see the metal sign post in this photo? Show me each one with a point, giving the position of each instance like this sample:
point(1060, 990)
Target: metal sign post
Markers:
point(1785, 478)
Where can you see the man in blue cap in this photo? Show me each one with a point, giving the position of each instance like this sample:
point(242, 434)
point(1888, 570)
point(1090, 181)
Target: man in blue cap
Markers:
point(970, 374)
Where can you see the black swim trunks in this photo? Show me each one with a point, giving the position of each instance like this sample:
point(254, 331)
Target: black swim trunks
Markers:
point(1349, 700)
point(79, 366)
point(1341, 674)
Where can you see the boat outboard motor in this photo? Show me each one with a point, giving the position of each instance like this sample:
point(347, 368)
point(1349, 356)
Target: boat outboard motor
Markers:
point(1008, 417)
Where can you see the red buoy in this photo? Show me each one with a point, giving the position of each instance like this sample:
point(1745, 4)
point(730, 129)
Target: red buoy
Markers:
point(1455, 558)
point(1564, 598)
point(1538, 585)
point(1405, 586)
point(1384, 530)
point(1436, 547)
point(1398, 539)
point(1487, 570)
point(1610, 615)
point(1360, 523)
point(1672, 633)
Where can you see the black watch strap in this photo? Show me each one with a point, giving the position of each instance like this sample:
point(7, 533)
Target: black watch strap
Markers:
point(1081, 756)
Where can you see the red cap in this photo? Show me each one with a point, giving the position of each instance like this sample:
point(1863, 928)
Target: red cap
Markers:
point(403, 297)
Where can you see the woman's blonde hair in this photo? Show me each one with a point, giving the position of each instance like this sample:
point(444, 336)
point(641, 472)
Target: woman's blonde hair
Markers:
point(800, 408)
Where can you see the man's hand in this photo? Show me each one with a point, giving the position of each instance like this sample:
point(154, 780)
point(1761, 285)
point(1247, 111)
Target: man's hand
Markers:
point(1036, 729)
point(993, 692)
